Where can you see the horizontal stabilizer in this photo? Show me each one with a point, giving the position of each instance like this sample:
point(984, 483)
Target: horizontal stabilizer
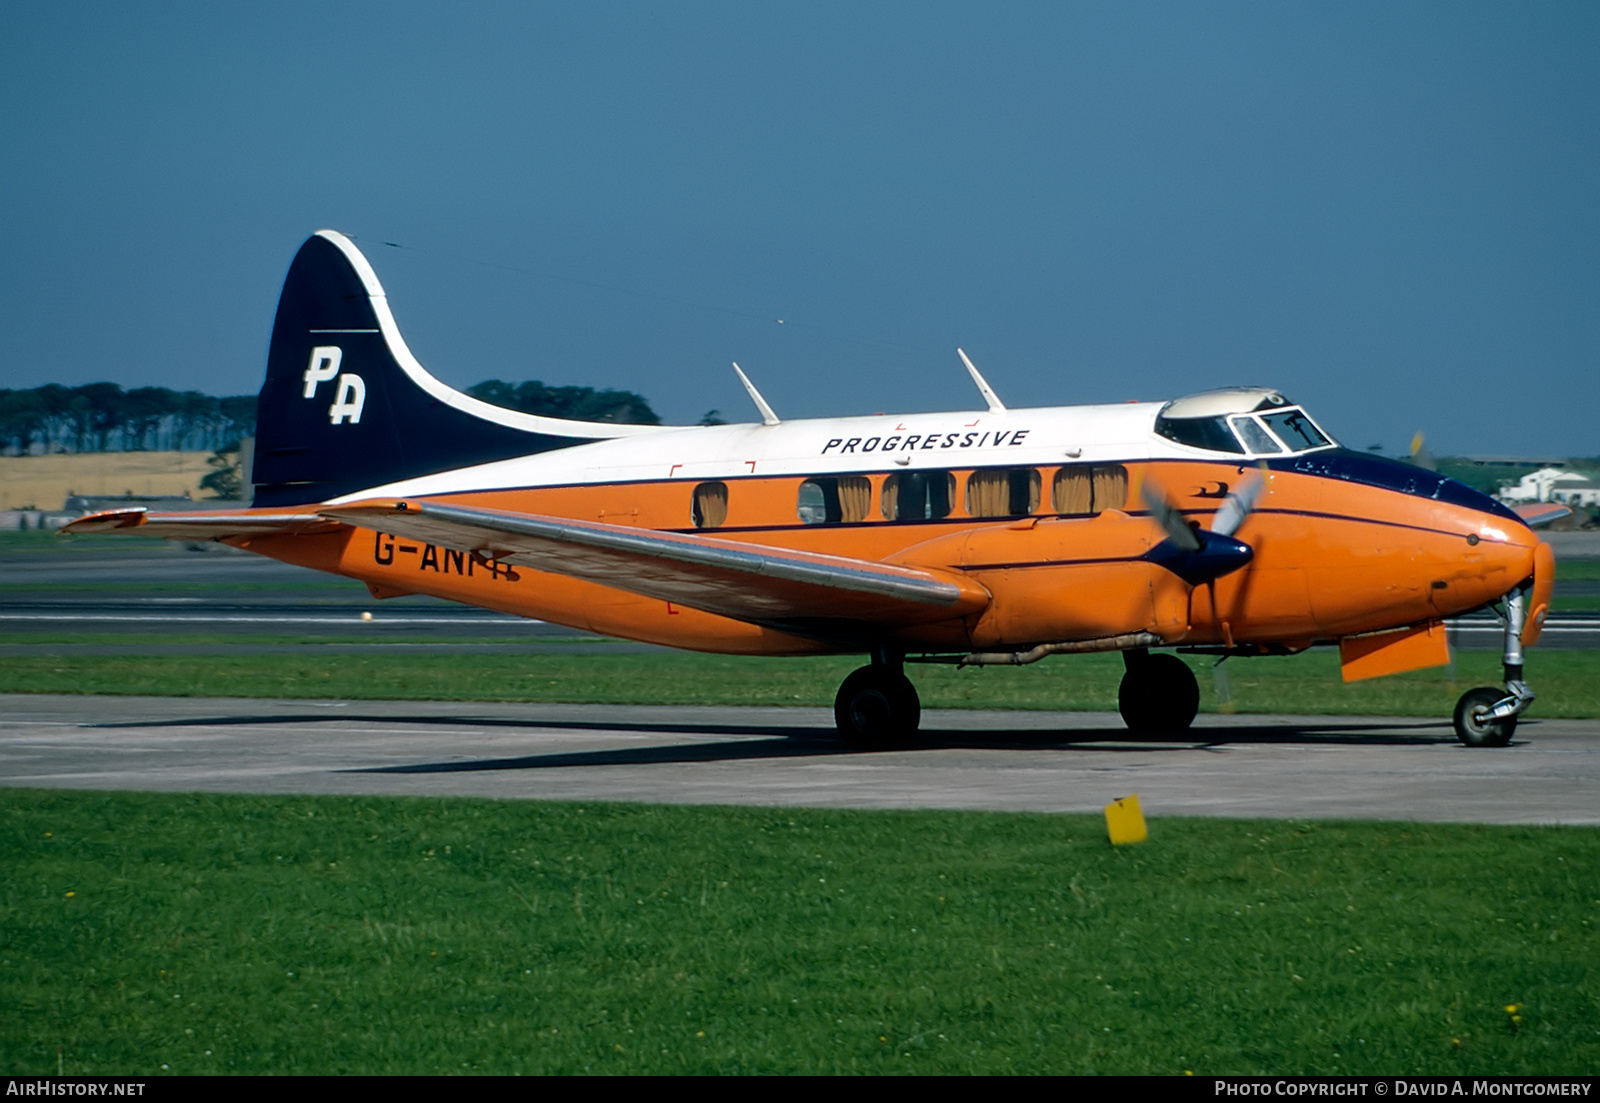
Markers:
point(197, 525)
point(748, 582)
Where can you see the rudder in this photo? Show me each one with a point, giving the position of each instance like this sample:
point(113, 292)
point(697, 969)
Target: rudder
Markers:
point(345, 406)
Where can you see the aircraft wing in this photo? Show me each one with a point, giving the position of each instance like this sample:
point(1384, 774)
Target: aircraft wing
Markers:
point(1541, 513)
point(197, 525)
point(749, 582)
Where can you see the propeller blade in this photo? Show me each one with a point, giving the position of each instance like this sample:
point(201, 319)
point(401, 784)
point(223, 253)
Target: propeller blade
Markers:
point(1196, 555)
point(1237, 506)
point(1420, 454)
point(1168, 517)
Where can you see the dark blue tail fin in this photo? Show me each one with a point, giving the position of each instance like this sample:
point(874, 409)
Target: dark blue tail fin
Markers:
point(346, 406)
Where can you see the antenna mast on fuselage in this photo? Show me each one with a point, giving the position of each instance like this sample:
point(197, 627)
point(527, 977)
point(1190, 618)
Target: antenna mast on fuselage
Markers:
point(767, 416)
point(995, 405)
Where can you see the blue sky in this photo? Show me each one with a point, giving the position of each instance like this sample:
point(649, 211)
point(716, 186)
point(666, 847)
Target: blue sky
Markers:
point(1387, 210)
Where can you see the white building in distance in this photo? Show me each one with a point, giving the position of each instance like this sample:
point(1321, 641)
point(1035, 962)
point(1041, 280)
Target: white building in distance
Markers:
point(1551, 484)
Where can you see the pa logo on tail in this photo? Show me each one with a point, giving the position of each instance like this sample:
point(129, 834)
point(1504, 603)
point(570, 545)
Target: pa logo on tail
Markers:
point(313, 440)
point(351, 393)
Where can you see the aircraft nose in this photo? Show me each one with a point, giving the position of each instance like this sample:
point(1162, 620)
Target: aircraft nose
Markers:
point(1494, 558)
point(1516, 560)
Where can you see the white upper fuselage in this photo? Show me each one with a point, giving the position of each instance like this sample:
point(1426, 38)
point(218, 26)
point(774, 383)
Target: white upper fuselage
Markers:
point(823, 446)
point(995, 437)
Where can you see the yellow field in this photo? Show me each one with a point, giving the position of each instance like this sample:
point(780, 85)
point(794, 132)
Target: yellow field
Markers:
point(44, 482)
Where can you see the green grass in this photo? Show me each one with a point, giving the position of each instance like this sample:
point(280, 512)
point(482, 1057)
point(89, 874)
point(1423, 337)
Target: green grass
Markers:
point(339, 637)
point(1576, 570)
point(208, 934)
point(1568, 682)
point(34, 541)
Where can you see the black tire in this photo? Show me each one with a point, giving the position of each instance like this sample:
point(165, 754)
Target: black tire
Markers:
point(1158, 696)
point(877, 707)
point(1472, 729)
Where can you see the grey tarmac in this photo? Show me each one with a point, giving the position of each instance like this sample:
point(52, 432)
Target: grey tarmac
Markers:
point(1302, 767)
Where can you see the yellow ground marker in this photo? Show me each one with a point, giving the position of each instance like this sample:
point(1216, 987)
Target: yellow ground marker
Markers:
point(1125, 821)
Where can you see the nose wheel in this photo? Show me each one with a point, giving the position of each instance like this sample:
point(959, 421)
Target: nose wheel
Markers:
point(1158, 694)
point(1487, 717)
point(1476, 725)
point(877, 707)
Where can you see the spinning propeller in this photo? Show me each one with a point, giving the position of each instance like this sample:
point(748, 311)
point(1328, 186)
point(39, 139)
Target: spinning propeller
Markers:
point(1199, 555)
point(1420, 454)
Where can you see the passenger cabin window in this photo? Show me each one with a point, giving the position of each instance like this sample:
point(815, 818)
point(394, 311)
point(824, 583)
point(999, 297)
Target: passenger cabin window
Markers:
point(828, 501)
point(1085, 489)
point(918, 495)
point(1003, 492)
point(710, 506)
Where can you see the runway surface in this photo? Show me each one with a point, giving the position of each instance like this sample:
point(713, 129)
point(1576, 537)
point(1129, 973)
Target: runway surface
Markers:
point(1278, 766)
point(138, 597)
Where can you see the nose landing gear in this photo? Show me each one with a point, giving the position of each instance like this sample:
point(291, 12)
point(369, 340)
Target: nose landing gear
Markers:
point(1487, 717)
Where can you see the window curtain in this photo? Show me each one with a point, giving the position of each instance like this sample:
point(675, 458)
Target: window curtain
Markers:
point(1025, 486)
point(710, 505)
point(1085, 489)
point(1072, 491)
point(1110, 488)
point(989, 493)
point(889, 504)
point(855, 498)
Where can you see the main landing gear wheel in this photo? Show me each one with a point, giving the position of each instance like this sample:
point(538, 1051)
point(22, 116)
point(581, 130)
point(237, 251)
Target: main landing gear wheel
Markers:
point(1158, 695)
point(1471, 719)
point(877, 706)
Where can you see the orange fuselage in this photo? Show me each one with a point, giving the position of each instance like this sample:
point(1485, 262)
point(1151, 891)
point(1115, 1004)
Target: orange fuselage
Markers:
point(1332, 558)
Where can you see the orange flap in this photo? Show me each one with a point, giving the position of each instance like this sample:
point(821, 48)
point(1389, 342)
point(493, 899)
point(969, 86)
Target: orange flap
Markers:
point(1363, 657)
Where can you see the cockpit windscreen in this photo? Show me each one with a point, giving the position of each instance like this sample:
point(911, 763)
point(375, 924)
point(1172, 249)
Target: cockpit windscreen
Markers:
point(1210, 433)
point(1255, 438)
point(1257, 434)
point(1295, 429)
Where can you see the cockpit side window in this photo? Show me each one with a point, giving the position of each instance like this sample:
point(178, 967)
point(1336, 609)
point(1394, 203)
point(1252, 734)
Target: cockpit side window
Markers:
point(1255, 438)
point(1210, 433)
point(1295, 429)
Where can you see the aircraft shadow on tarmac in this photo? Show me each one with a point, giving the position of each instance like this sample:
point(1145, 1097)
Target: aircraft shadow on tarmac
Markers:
point(802, 741)
point(822, 743)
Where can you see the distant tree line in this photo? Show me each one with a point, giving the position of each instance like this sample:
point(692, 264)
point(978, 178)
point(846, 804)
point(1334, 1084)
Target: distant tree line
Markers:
point(102, 417)
point(573, 403)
